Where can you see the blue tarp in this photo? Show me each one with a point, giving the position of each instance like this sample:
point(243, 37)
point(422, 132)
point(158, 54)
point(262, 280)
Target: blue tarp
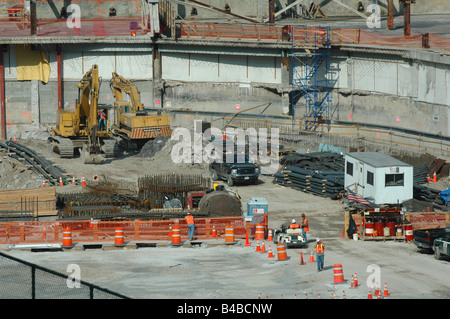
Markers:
point(445, 195)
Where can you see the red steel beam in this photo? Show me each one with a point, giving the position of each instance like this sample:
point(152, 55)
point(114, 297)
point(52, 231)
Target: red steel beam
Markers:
point(58, 59)
point(2, 94)
point(390, 18)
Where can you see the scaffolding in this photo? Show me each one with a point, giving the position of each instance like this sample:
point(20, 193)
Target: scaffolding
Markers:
point(311, 74)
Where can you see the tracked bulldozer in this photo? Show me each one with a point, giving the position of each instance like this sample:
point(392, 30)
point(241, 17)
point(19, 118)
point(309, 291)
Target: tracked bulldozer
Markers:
point(79, 131)
point(134, 125)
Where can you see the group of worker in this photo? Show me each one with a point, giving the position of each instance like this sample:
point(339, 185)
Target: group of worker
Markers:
point(304, 225)
point(320, 247)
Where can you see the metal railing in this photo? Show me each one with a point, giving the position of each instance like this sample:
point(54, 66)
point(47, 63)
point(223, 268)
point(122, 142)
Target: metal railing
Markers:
point(20, 279)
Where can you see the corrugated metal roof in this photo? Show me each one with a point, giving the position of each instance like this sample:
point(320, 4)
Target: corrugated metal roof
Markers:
point(376, 159)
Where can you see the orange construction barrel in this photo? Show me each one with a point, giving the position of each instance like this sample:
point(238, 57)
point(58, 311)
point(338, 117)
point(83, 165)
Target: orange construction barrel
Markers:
point(409, 232)
point(176, 236)
point(119, 240)
point(259, 233)
point(229, 235)
point(281, 251)
point(67, 238)
point(338, 275)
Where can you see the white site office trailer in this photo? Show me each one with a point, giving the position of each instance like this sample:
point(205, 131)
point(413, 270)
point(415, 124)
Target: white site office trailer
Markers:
point(379, 177)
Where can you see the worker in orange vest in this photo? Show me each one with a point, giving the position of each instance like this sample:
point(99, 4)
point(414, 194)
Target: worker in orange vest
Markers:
point(304, 224)
point(190, 225)
point(320, 249)
point(294, 225)
point(102, 120)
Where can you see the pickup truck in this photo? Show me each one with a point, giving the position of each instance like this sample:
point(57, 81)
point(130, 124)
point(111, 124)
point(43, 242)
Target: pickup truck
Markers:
point(424, 238)
point(236, 171)
point(441, 246)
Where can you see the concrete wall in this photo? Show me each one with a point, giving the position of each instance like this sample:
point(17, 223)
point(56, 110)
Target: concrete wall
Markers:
point(409, 92)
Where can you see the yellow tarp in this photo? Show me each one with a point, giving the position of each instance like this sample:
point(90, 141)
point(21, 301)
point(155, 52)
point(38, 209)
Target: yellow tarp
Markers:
point(31, 64)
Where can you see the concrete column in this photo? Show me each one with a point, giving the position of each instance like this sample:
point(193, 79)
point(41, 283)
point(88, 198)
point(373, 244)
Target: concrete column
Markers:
point(157, 91)
point(35, 102)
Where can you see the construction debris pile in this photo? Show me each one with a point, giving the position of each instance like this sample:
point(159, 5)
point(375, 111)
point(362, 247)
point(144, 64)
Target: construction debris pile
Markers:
point(320, 173)
point(153, 146)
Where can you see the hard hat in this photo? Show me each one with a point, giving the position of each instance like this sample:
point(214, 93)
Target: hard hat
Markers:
point(293, 221)
point(317, 239)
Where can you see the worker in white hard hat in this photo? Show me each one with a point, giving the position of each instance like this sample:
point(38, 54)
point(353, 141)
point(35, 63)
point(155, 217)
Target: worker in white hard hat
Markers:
point(320, 250)
point(294, 225)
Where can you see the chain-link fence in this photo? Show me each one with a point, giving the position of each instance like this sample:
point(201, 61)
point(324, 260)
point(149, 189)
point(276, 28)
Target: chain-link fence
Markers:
point(23, 280)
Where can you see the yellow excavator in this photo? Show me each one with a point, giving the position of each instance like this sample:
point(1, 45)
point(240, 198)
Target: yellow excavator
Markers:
point(133, 126)
point(79, 130)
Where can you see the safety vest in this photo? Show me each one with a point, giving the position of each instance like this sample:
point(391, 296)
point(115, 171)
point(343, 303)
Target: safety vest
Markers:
point(305, 224)
point(294, 226)
point(189, 219)
point(320, 248)
point(103, 115)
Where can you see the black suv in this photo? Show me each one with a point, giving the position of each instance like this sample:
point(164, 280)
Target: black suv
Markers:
point(235, 171)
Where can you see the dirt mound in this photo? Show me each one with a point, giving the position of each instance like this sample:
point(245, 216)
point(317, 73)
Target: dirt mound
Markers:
point(153, 146)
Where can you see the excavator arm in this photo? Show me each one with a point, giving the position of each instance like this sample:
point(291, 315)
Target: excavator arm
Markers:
point(119, 84)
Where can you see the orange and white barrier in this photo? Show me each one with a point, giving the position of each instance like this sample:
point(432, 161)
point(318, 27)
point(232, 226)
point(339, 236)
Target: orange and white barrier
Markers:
point(119, 240)
point(259, 233)
point(67, 238)
point(229, 235)
point(338, 275)
point(281, 251)
point(176, 236)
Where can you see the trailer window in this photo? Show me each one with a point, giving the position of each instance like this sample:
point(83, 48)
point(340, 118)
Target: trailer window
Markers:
point(369, 178)
point(350, 168)
point(394, 180)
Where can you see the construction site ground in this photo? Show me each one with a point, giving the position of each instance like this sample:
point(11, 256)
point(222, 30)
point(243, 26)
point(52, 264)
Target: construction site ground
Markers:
point(212, 270)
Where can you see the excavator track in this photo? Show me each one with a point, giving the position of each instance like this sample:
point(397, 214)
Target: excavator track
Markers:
point(61, 145)
point(110, 147)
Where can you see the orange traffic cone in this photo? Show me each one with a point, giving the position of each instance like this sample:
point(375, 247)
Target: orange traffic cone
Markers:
point(356, 280)
point(43, 182)
point(73, 181)
point(214, 233)
point(263, 248)
point(302, 262)
point(428, 178)
point(377, 290)
point(258, 249)
point(386, 292)
point(91, 224)
point(353, 283)
point(434, 178)
point(247, 244)
point(370, 295)
point(269, 236)
point(15, 140)
point(311, 258)
point(270, 252)
point(60, 181)
point(83, 181)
